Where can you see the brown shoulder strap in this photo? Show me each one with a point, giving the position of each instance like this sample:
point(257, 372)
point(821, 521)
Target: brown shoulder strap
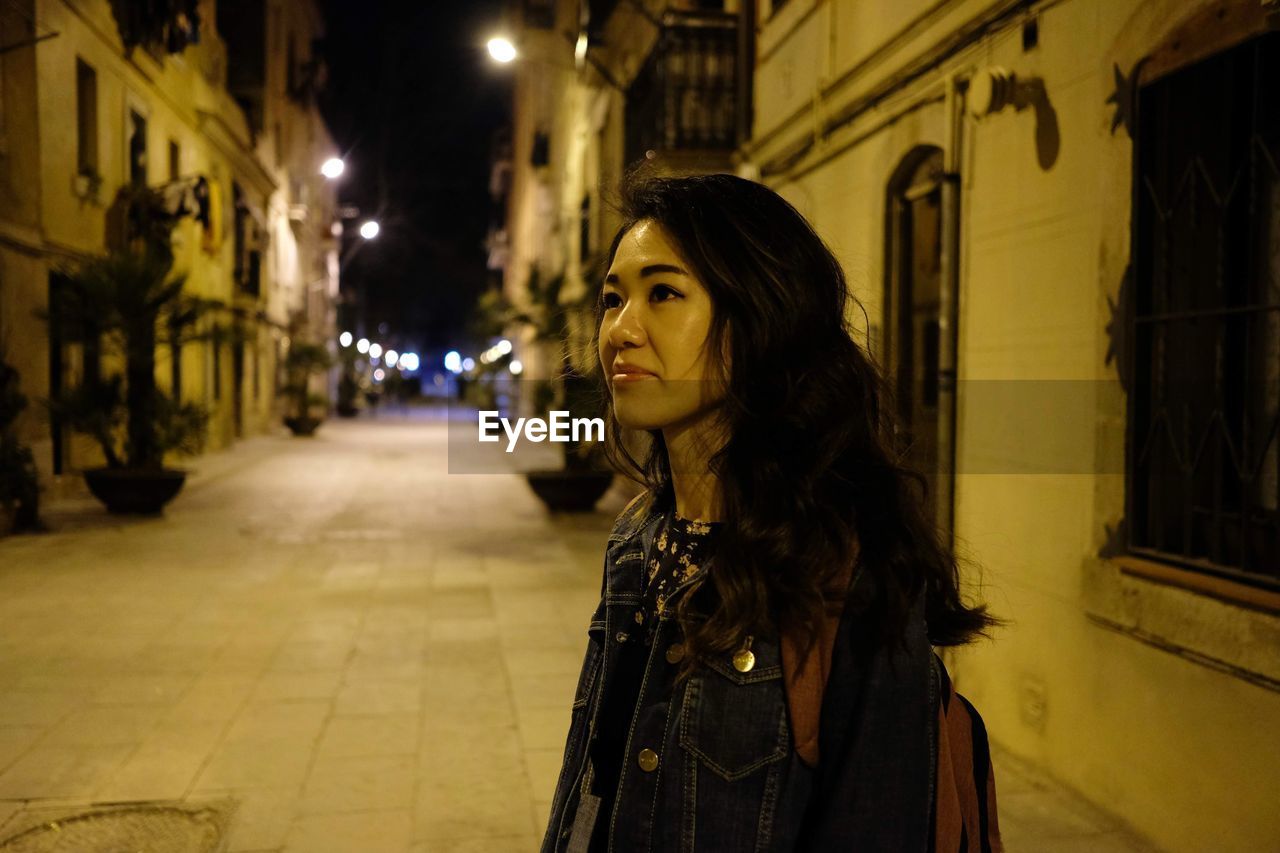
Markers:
point(805, 676)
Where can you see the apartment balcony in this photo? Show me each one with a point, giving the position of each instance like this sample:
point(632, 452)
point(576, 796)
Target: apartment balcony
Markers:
point(689, 102)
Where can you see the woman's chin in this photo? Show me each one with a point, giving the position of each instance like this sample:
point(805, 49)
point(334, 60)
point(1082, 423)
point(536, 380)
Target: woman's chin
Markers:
point(634, 417)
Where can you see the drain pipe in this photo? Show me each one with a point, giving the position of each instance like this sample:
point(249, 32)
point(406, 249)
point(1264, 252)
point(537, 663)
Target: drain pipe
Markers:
point(955, 84)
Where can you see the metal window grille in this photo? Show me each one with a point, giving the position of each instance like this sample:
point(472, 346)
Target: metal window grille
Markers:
point(1203, 474)
point(685, 98)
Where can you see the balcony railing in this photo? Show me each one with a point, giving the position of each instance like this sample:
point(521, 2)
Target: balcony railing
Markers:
point(686, 97)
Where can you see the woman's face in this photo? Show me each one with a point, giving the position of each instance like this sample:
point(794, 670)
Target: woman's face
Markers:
point(653, 335)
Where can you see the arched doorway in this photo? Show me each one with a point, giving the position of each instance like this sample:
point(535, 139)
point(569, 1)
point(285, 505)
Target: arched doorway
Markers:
point(919, 324)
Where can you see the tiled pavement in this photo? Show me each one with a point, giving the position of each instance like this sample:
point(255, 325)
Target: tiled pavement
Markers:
point(365, 652)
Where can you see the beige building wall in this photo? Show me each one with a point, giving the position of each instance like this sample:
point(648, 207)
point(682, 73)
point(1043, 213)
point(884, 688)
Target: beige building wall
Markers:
point(549, 97)
point(1147, 688)
point(304, 207)
point(1154, 700)
point(185, 102)
point(21, 343)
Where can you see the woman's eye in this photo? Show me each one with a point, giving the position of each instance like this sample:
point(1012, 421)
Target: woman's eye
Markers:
point(610, 300)
point(662, 293)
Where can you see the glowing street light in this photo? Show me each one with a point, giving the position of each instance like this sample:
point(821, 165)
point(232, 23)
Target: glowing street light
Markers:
point(345, 339)
point(375, 350)
point(362, 345)
point(333, 168)
point(453, 361)
point(515, 367)
point(369, 230)
point(501, 49)
point(392, 358)
point(468, 364)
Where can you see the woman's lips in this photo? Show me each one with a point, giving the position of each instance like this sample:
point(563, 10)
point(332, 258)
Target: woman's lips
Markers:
point(632, 376)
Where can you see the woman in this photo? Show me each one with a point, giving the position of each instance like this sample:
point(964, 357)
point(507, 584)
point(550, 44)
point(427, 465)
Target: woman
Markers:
point(759, 672)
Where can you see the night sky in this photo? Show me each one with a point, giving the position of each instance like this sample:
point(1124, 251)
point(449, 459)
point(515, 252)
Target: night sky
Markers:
point(413, 103)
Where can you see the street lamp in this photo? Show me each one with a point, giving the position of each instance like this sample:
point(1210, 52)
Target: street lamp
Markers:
point(333, 168)
point(501, 49)
point(369, 230)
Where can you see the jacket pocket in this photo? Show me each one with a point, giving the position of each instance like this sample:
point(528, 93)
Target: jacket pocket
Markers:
point(735, 723)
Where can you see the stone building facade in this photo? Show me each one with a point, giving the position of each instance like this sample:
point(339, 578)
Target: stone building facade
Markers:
point(232, 117)
point(1060, 221)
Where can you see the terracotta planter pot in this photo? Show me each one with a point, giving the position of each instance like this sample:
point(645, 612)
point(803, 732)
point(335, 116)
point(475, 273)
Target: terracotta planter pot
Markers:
point(134, 491)
point(569, 491)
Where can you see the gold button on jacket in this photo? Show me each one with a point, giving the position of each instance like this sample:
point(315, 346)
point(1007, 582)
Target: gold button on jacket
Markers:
point(648, 760)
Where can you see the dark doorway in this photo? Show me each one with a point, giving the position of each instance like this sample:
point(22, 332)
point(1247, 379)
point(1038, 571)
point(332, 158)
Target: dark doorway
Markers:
point(57, 374)
point(913, 306)
point(237, 387)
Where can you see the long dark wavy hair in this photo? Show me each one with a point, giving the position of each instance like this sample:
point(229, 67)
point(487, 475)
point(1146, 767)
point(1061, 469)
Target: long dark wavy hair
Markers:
point(811, 480)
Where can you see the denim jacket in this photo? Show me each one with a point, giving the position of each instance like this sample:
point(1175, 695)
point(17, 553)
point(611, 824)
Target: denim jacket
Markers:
point(709, 763)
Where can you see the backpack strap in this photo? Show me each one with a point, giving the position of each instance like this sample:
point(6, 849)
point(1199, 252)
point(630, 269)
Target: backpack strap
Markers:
point(964, 807)
point(805, 674)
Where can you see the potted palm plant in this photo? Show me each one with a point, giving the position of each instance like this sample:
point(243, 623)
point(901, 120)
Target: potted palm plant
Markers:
point(124, 305)
point(305, 360)
point(580, 482)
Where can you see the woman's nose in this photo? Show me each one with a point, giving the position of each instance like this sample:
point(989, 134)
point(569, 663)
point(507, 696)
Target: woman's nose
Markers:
point(626, 331)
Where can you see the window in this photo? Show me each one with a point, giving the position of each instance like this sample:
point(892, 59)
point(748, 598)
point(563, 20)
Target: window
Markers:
point(540, 13)
point(1203, 476)
point(246, 246)
point(137, 149)
point(252, 283)
point(291, 67)
point(175, 160)
point(541, 153)
point(240, 224)
point(86, 119)
point(598, 13)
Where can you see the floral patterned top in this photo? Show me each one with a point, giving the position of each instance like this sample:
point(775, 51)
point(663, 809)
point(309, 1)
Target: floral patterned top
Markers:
point(681, 550)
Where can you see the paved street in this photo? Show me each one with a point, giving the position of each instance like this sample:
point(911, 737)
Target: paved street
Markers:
point(355, 649)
